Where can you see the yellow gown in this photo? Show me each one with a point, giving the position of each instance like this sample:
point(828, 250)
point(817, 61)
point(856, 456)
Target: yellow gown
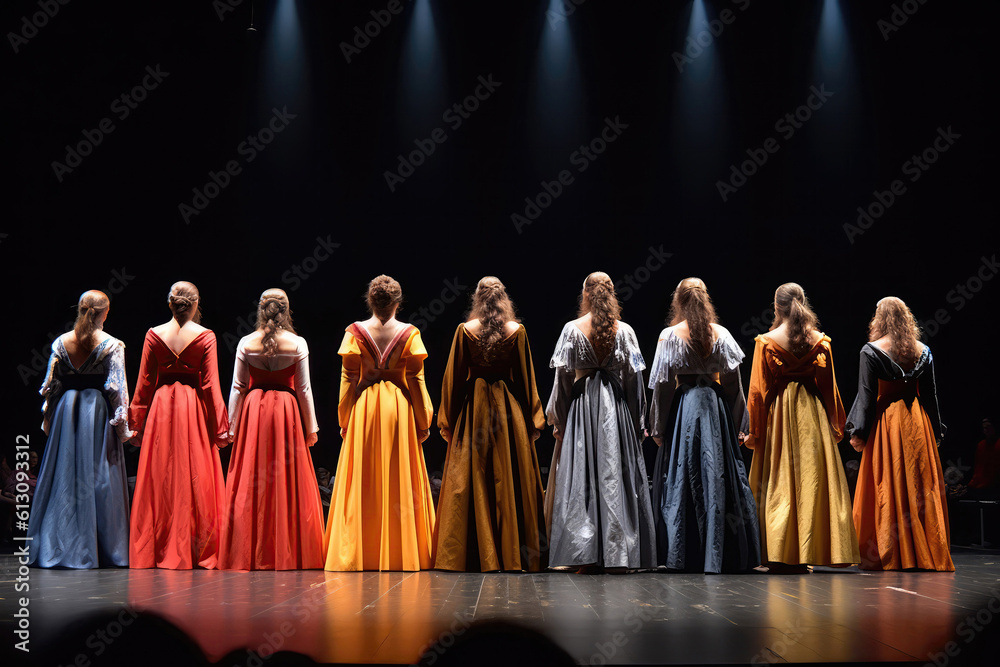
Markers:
point(381, 510)
point(797, 478)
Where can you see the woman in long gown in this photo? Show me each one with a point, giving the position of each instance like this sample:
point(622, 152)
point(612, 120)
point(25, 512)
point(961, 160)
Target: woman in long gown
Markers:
point(381, 513)
point(181, 420)
point(796, 421)
point(706, 519)
point(900, 505)
point(597, 504)
point(79, 514)
point(490, 512)
point(274, 516)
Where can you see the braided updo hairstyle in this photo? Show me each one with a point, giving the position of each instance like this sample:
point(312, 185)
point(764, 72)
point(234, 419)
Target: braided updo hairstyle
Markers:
point(384, 293)
point(273, 315)
point(185, 302)
point(691, 302)
point(598, 298)
point(792, 306)
point(493, 308)
point(89, 309)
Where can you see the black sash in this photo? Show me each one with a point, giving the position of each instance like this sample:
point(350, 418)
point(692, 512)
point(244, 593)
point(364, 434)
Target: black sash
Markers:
point(80, 381)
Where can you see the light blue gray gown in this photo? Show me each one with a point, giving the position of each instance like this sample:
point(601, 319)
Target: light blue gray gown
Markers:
point(80, 511)
point(597, 502)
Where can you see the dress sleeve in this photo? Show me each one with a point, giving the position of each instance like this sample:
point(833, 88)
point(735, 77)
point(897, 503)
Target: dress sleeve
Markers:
point(211, 394)
point(732, 387)
point(634, 385)
point(116, 389)
point(826, 382)
point(51, 388)
point(929, 399)
point(562, 386)
point(524, 373)
point(663, 382)
point(862, 414)
point(241, 380)
point(420, 400)
point(350, 375)
point(760, 380)
point(303, 389)
point(453, 386)
point(145, 386)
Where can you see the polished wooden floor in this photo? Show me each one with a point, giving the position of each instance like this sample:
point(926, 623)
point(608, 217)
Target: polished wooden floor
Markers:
point(828, 615)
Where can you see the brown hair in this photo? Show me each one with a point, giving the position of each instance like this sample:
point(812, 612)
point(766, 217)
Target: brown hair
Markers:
point(92, 305)
point(691, 302)
point(185, 302)
point(598, 298)
point(893, 319)
point(792, 306)
point(383, 293)
point(273, 314)
point(493, 308)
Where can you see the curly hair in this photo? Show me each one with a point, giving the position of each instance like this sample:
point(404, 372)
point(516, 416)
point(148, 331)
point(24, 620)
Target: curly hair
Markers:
point(692, 303)
point(893, 319)
point(598, 298)
point(273, 315)
point(93, 303)
point(792, 306)
point(185, 302)
point(493, 308)
point(384, 293)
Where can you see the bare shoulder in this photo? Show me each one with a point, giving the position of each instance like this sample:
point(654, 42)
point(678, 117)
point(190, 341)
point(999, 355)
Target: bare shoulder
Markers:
point(815, 336)
point(883, 343)
point(511, 328)
point(474, 326)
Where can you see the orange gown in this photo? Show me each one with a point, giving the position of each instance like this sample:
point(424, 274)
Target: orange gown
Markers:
point(179, 490)
point(490, 513)
point(900, 504)
point(797, 477)
point(381, 509)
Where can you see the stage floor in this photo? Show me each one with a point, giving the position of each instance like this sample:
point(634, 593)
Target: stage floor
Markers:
point(829, 615)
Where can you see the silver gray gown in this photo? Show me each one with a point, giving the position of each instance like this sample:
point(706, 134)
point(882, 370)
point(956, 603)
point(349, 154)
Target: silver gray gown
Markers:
point(597, 504)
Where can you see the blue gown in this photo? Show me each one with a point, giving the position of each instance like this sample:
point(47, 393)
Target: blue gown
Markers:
point(80, 511)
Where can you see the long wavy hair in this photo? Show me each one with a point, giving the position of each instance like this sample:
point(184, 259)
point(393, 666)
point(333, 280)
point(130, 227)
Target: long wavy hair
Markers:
point(384, 293)
point(93, 303)
point(893, 319)
point(598, 298)
point(273, 315)
point(185, 302)
point(493, 308)
point(792, 306)
point(691, 302)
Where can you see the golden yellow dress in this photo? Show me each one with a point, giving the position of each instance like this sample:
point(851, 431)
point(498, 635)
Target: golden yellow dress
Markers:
point(381, 511)
point(490, 512)
point(797, 478)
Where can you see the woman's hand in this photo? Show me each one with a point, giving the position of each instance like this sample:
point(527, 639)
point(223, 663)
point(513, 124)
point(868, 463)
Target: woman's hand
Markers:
point(658, 441)
point(423, 434)
point(557, 434)
point(343, 433)
point(312, 439)
point(857, 443)
point(446, 434)
point(535, 433)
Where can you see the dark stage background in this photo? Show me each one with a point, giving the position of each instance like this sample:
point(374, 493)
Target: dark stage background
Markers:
point(560, 73)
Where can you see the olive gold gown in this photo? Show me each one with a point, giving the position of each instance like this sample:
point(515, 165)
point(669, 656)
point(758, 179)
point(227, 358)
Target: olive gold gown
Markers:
point(797, 478)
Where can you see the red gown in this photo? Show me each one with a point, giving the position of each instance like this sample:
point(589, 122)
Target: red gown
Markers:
point(179, 490)
point(274, 516)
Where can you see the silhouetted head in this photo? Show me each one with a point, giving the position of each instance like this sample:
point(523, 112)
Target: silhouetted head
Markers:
point(792, 306)
point(185, 302)
point(493, 308)
point(273, 315)
point(599, 299)
point(692, 303)
point(91, 311)
point(893, 319)
point(384, 297)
